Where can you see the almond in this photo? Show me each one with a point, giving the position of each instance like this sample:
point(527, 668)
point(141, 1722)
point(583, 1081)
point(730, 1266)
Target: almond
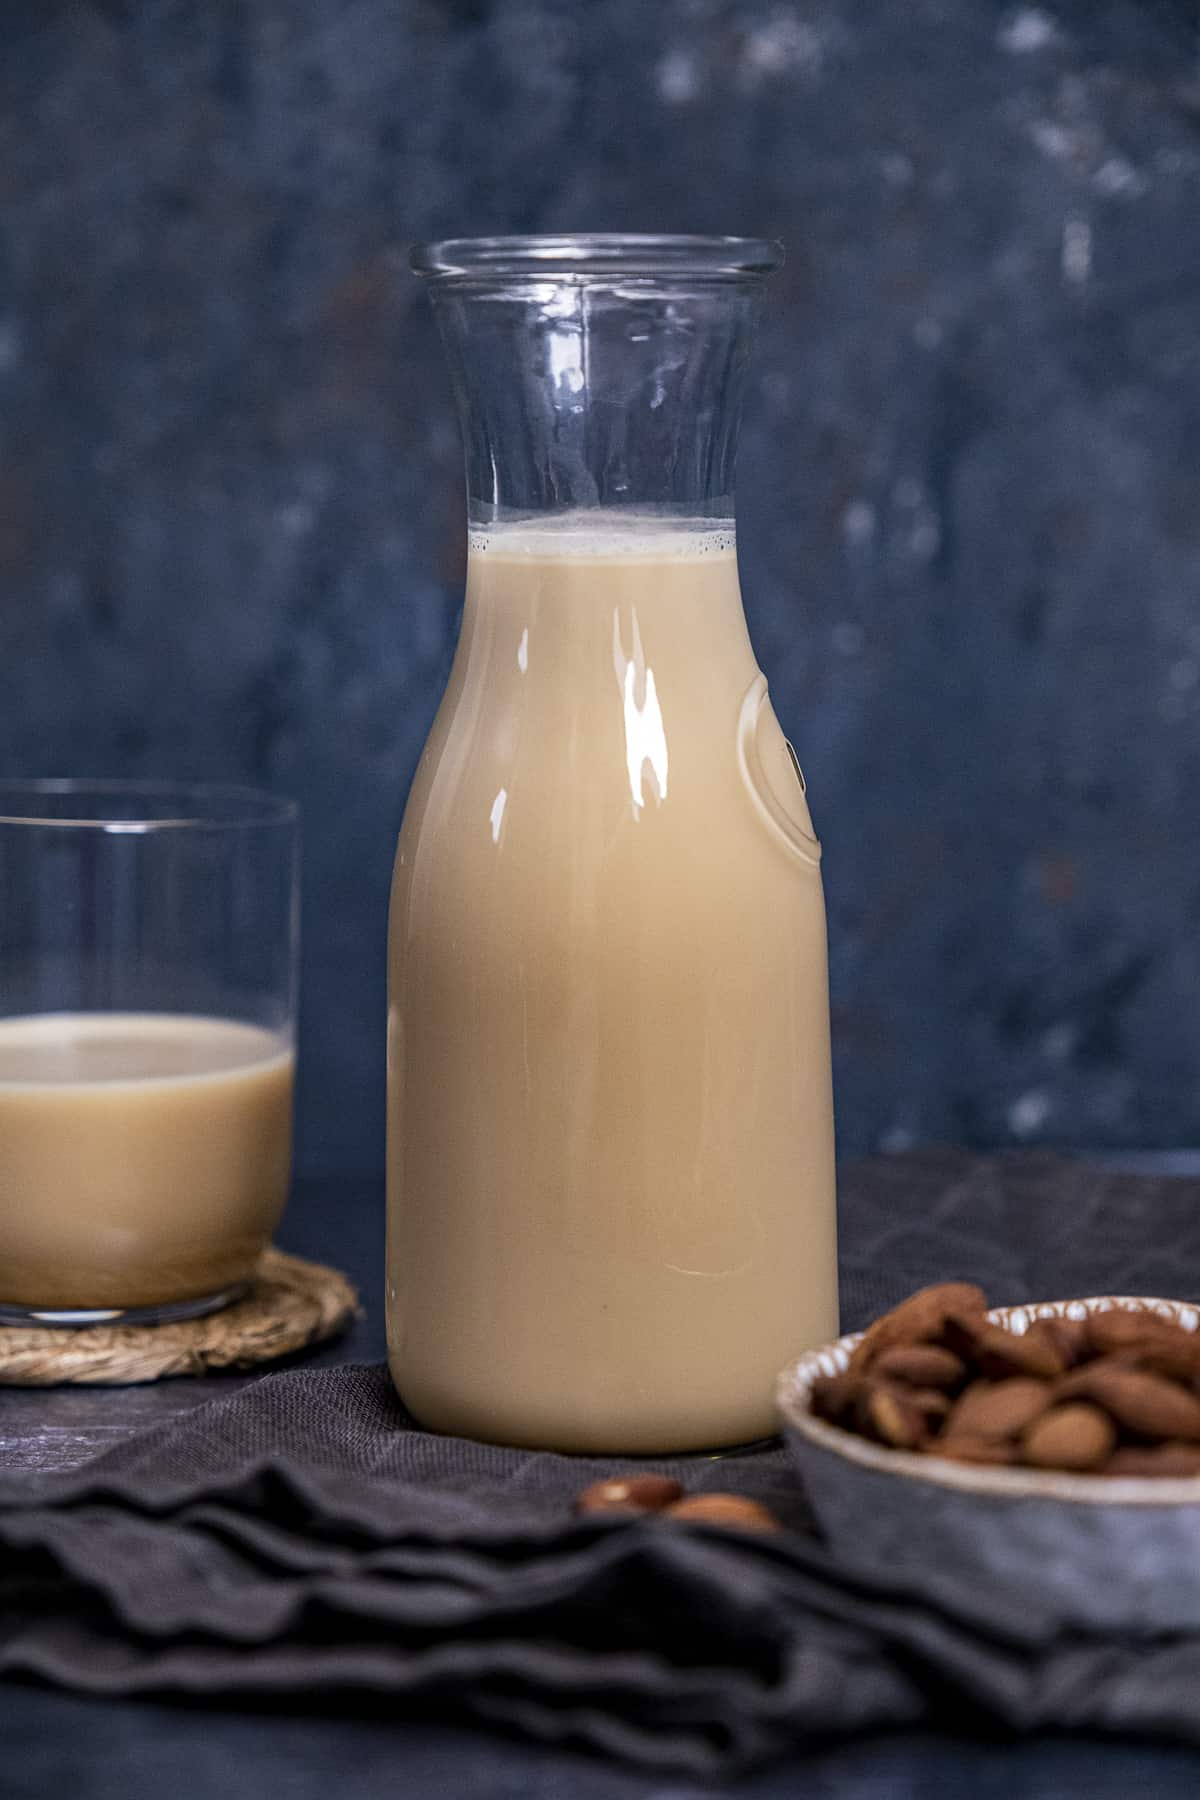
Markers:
point(961, 1332)
point(920, 1365)
point(1149, 1405)
point(1000, 1353)
point(1179, 1362)
point(1068, 1336)
point(998, 1409)
point(629, 1494)
point(918, 1319)
point(833, 1396)
point(931, 1403)
point(1155, 1459)
point(724, 1509)
point(965, 1448)
point(1124, 1328)
point(1076, 1437)
point(889, 1414)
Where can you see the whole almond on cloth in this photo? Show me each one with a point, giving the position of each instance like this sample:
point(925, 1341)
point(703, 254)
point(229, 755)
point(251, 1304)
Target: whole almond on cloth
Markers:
point(997, 1409)
point(629, 1494)
point(730, 1510)
point(1078, 1437)
point(917, 1319)
point(1149, 1405)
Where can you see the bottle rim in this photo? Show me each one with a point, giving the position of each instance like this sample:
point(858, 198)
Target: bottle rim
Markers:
point(600, 254)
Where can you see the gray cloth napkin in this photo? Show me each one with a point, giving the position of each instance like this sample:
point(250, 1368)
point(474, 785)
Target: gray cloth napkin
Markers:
point(300, 1542)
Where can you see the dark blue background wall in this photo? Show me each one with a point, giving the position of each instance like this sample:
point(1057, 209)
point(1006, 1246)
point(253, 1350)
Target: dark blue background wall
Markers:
point(230, 520)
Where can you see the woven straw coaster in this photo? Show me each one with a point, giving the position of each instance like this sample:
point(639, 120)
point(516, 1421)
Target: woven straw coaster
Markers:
point(291, 1305)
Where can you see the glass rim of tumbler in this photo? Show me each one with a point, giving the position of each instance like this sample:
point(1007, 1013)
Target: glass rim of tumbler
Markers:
point(599, 254)
point(164, 805)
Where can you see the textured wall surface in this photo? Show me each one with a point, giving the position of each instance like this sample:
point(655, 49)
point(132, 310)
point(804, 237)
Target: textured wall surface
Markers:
point(231, 526)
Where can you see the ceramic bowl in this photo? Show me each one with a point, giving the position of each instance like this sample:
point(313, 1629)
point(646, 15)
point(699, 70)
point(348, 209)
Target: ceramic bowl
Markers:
point(1109, 1553)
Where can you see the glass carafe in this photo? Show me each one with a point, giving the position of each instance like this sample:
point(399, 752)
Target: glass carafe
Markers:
point(610, 1127)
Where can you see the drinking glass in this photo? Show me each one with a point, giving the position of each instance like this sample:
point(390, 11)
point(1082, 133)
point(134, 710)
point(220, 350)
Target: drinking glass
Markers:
point(148, 975)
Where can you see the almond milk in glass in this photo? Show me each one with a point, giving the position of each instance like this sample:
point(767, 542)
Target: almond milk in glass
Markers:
point(610, 1128)
point(148, 953)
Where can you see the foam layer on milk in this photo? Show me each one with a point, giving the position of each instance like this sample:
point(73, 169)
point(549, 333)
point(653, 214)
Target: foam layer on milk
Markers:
point(94, 1050)
point(603, 535)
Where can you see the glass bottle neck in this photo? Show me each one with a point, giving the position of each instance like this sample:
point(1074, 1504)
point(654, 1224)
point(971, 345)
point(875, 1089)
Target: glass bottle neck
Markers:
point(586, 390)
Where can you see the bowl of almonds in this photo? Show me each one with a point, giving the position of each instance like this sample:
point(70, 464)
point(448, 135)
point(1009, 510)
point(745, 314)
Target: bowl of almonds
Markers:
point(1055, 1443)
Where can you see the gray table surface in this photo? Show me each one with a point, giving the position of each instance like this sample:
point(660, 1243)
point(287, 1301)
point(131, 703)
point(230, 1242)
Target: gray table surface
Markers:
point(62, 1744)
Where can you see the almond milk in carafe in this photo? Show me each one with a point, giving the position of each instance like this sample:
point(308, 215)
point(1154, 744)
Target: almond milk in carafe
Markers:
point(610, 1137)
